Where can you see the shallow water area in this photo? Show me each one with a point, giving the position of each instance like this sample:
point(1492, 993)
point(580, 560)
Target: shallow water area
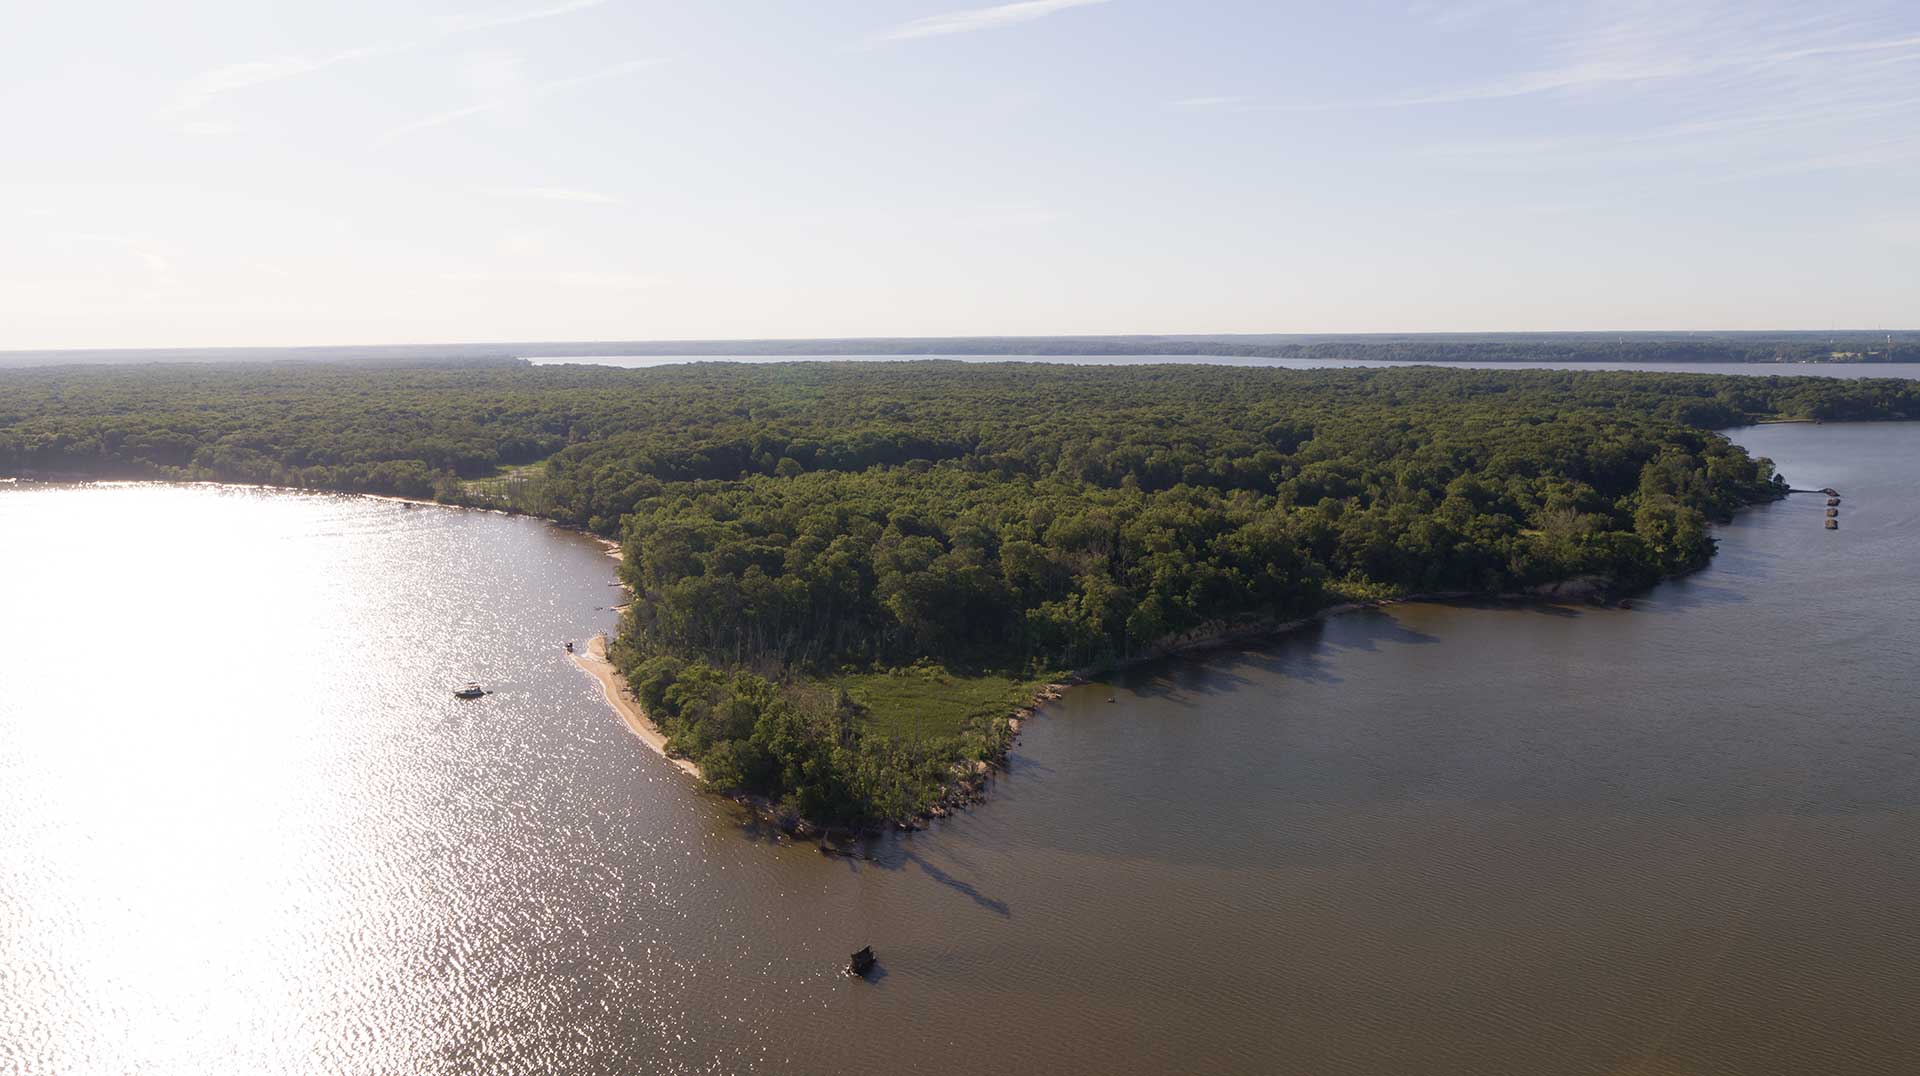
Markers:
point(248, 829)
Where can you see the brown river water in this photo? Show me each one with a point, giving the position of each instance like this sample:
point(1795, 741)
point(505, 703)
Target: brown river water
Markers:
point(244, 828)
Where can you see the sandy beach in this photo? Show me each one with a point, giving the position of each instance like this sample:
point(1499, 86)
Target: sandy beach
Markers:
point(622, 700)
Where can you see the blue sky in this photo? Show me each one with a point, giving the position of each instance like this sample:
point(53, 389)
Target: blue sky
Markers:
point(356, 172)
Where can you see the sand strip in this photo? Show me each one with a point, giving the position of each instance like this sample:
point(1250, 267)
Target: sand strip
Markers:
point(595, 661)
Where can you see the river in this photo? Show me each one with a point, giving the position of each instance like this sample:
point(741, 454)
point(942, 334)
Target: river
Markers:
point(247, 829)
point(1749, 369)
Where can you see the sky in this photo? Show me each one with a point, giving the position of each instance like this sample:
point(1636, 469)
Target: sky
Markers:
point(206, 172)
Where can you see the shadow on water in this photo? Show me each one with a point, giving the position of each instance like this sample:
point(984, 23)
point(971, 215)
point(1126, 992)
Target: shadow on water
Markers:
point(1295, 660)
point(1689, 594)
point(965, 889)
point(1560, 612)
point(886, 852)
point(1019, 764)
point(1181, 679)
point(1186, 679)
point(758, 830)
point(1178, 687)
point(1365, 631)
point(1308, 654)
point(1540, 606)
point(893, 855)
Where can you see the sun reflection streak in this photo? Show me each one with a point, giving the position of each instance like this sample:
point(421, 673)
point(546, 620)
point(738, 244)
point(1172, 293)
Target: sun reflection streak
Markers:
point(227, 850)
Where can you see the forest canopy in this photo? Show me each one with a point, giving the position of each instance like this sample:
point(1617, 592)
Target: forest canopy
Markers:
point(826, 553)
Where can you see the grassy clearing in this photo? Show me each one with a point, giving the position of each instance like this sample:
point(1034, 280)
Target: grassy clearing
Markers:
point(522, 487)
point(496, 483)
point(1360, 590)
point(928, 703)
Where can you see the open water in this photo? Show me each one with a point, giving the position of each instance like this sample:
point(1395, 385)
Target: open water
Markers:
point(244, 828)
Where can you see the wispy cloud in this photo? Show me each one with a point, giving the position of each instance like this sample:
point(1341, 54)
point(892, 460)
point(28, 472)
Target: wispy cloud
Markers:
point(146, 252)
point(204, 87)
point(208, 128)
point(1208, 102)
point(562, 279)
point(1889, 152)
point(1448, 15)
point(500, 103)
point(207, 85)
point(460, 24)
point(1644, 95)
point(1636, 47)
point(552, 194)
point(980, 18)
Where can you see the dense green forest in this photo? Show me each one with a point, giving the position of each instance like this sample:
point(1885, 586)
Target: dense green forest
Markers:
point(846, 571)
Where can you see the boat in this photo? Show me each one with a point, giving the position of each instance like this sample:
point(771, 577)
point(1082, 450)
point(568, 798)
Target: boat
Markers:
point(1831, 512)
point(1832, 501)
point(1833, 524)
point(471, 691)
point(862, 962)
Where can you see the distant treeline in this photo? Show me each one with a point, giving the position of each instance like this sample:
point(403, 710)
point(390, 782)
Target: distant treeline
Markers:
point(1732, 347)
point(1852, 345)
point(786, 525)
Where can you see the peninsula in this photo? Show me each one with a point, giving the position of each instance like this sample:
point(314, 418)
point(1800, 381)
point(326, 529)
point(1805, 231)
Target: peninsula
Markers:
point(848, 577)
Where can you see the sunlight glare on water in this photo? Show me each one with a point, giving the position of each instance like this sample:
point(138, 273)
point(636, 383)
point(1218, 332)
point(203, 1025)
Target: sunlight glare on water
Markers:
point(247, 830)
point(230, 763)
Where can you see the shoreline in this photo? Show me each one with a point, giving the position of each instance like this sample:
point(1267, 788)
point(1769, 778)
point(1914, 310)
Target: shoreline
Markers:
point(594, 662)
point(1194, 645)
point(969, 784)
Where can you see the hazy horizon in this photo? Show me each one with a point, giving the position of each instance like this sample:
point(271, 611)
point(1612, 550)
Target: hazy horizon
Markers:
point(428, 173)
point(706, 347)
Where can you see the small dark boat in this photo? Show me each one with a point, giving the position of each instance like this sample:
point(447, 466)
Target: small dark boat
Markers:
point(471, 691)
point(1831, 512)
point(862, 962)
point(1831, 492)
point(1833, 524)
point(1832, 502)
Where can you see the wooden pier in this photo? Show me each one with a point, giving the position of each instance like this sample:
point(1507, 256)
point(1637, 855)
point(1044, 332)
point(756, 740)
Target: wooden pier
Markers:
point(1833, 504)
